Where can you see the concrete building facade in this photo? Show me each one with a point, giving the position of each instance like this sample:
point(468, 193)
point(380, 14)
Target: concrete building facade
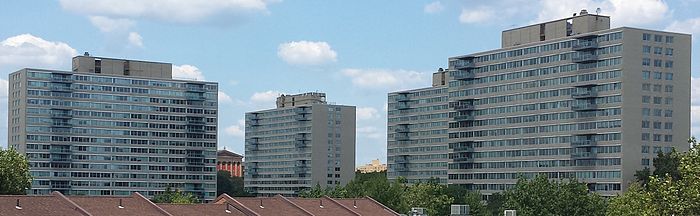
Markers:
point(567, 98)
point(303, 142)
point(114, 127)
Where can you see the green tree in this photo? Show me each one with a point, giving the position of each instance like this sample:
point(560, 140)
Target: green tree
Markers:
point(15, 178)
point(495, 204)
point(540, 196)
point(462, 196)
point(431, 196)
point(667, 194)
point(231, 185)
point(175, 196)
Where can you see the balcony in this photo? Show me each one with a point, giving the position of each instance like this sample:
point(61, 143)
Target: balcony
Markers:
point(195, 97)
point(463, 107)
point(402, 105)
point(402, 97)
point(61, 88)
point(464, 118)
point(462, 63)
point(583, 155)
point(195, 89)
point(403, 128)
point(302, 110)
point(401, 136)
point(61, 115)
point(584, 45)
point(61, 159)
point(302, 163)
point(61, 79)
point(584, 58)
point(401, 159)
point(581, 94)
point(463, 159)
point(253, 117)
point(195, 130)
point(302, 137)
point(400, 169)
point(584, 107)
point(300, 144)
point(195, 121)
point(254, 122)
point(302, 117)
point(299, 170)
point(583, 143)
point(252, 147)
point(64, 124)
point(464, 75)
point(463, 149)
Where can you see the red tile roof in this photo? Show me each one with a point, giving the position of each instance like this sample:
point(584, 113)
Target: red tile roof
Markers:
point(56, 204)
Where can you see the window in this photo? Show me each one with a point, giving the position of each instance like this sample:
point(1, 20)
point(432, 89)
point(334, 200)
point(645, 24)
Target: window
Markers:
point(669, 39)
point(668, 64)
point(669, 51)
point(668, 101)
point(645, 136)
point(668, 113)
point(646, 75)
point(658, 62)
point(657, 75)
point(669, 88)
point(658, 38)
point(646, 37)
point(669, 76)
point(646, 49)
point(646, 87)
point(645, 124)
point(657, 100)
point(646, 99)
point(657, 112)
point(645, 111)
point(645, 149)
point(645, 161)
point(658, 50)
point(657, 125)
point(657, 137)
point(668, 138)
point(657, 88)
point(646, 62)
point(668, 125)
point(657, 149)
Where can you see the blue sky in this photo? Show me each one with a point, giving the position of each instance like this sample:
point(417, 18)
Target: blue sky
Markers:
point(355, 51)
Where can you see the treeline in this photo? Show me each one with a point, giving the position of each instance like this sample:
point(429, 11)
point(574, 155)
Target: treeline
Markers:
point(673, 188)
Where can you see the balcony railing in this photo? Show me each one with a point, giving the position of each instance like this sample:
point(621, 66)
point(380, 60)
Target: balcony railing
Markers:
point(462, 64)
point(578, 143)
point(584, 58)
point(463, 107)
point(583, 155)
point(402, 105)
point(584, 94)
point(583, 45)
point(401, 136)
point(402, 129)
point(401, 97)
point(463, 75)
point(464, 118)
point(584, 107)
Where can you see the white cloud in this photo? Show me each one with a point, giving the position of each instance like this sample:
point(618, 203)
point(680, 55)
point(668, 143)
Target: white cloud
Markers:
point(265, 97)
point(366, 113)
point(135, 39)
point(478, 15)
point(179, 11)
point(236, 130)
point(188, 72)
point(27, 50)
point(4, 88)
point(371, 132)
point(224, 98)
point(622, 12)
point(433, 7)
point(106, 24)
point(690, 26)
point(306, 52)
point(381, 78)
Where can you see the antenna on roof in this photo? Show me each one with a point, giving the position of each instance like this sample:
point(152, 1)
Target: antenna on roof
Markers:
point(120, 204)
point(597, 11)
point(18, 206)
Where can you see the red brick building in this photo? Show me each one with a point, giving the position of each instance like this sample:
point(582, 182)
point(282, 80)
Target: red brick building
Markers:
point(56, 204)
point(229, 161)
